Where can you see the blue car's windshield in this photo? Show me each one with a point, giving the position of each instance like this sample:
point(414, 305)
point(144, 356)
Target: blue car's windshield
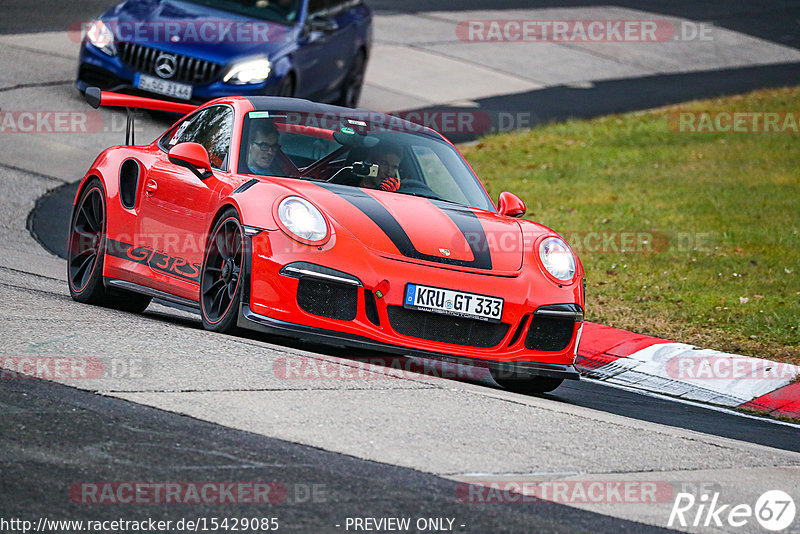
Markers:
point(283, 11)
point(361, 153)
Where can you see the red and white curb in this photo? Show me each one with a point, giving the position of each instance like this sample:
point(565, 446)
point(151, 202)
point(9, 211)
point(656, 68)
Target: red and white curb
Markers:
point(680, 370)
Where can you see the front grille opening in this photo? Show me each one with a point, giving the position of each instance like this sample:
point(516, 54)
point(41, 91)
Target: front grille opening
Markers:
point(446, 328)
point(371, 307)
point(334, 301)
point(520, 329)
point(187, 69)
point(94, 76)
point(549, 333)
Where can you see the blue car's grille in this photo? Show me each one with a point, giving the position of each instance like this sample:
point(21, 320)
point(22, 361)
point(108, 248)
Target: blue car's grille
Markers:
point(188, 69)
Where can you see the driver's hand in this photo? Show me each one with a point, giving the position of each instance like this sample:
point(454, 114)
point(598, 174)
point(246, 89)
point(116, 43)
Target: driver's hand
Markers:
point(389, 184)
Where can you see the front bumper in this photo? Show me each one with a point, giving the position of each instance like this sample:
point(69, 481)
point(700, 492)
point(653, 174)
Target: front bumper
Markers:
point(260, 323)
point(97, 69)
point(269, 304)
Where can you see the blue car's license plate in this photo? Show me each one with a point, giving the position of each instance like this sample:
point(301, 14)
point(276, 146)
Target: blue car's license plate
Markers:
point(163, 87)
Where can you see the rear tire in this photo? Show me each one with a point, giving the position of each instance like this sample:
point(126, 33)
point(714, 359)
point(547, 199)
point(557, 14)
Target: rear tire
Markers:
point(220, 288)
point(86, 248)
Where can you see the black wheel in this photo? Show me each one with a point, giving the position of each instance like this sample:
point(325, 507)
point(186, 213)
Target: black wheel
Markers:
point(86, 246)
point(351, 87)
point(529, 386)
point(286, 87)
point(219, 280)
point(86, 253)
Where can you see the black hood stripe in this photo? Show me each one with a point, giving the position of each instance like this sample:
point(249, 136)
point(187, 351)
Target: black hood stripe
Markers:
point(464, 219)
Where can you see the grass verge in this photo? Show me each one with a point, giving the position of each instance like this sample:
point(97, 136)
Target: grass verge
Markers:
point(693, 237)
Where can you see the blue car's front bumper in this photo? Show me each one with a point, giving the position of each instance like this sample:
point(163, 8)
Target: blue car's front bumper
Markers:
point(98, 69)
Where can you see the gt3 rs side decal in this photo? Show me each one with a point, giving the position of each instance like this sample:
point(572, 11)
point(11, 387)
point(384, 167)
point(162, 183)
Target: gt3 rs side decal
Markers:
point(171, 265)
point(466, 221)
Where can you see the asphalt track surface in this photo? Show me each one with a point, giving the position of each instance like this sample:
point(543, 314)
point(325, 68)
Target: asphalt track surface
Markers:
point(52, 430)
point(48, 223)
point(56, 436)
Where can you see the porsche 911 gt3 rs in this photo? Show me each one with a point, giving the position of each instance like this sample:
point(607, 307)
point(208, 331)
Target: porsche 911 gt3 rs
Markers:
point(331, 225)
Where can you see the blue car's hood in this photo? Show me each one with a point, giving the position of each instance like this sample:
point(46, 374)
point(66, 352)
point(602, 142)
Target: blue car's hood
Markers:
point(203, 32)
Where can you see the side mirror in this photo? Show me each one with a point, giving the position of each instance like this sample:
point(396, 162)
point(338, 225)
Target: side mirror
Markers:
point(193, 156)
point(322, 24)
point(510, 205)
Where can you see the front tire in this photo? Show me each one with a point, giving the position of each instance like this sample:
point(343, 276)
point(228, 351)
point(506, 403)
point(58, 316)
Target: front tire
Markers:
point(354, 81)
point(286, 86)
point(220, 291)
point(529, 386)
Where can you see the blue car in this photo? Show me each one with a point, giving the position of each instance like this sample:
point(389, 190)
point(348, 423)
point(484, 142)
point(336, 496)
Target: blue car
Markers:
point(197, 50)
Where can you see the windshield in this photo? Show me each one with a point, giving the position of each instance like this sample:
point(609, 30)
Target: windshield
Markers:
point(358, 153)
point(283, 11)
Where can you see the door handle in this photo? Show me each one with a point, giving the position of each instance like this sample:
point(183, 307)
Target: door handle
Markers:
point(150, 187)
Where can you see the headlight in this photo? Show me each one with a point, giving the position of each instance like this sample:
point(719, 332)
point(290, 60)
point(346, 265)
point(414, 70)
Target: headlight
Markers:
point(254, 71)
point(557, 258)
point(100, 36)
point(301, 219)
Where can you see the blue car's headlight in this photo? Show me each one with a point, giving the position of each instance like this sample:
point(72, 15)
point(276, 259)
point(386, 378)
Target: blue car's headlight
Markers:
point(252, 71)
point(557, 258)
point(100, 36)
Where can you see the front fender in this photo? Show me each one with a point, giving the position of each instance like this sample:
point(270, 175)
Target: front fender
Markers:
point(253, 200)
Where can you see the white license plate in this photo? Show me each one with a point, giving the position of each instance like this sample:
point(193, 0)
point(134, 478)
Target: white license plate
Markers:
point(449, 302)
point(163, 87)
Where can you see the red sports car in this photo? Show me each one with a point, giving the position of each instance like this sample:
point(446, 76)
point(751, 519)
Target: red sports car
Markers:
point(330, 225)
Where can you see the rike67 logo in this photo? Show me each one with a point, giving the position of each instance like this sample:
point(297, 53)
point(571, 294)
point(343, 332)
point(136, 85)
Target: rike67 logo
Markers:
point(774, 510)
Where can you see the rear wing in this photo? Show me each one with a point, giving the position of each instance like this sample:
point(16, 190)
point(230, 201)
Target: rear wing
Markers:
point(96, 98)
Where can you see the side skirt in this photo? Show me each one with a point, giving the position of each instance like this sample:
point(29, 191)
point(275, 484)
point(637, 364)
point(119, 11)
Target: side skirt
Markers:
point(150, 292)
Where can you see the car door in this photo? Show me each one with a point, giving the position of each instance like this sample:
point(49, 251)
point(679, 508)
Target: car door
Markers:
point(177, 206)
point(324, 54)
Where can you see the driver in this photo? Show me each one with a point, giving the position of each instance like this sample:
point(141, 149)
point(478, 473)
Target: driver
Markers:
point(264, 155)
point(388, 158)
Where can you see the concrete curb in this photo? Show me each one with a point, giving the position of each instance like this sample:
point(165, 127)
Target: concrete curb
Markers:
point(680, 370)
